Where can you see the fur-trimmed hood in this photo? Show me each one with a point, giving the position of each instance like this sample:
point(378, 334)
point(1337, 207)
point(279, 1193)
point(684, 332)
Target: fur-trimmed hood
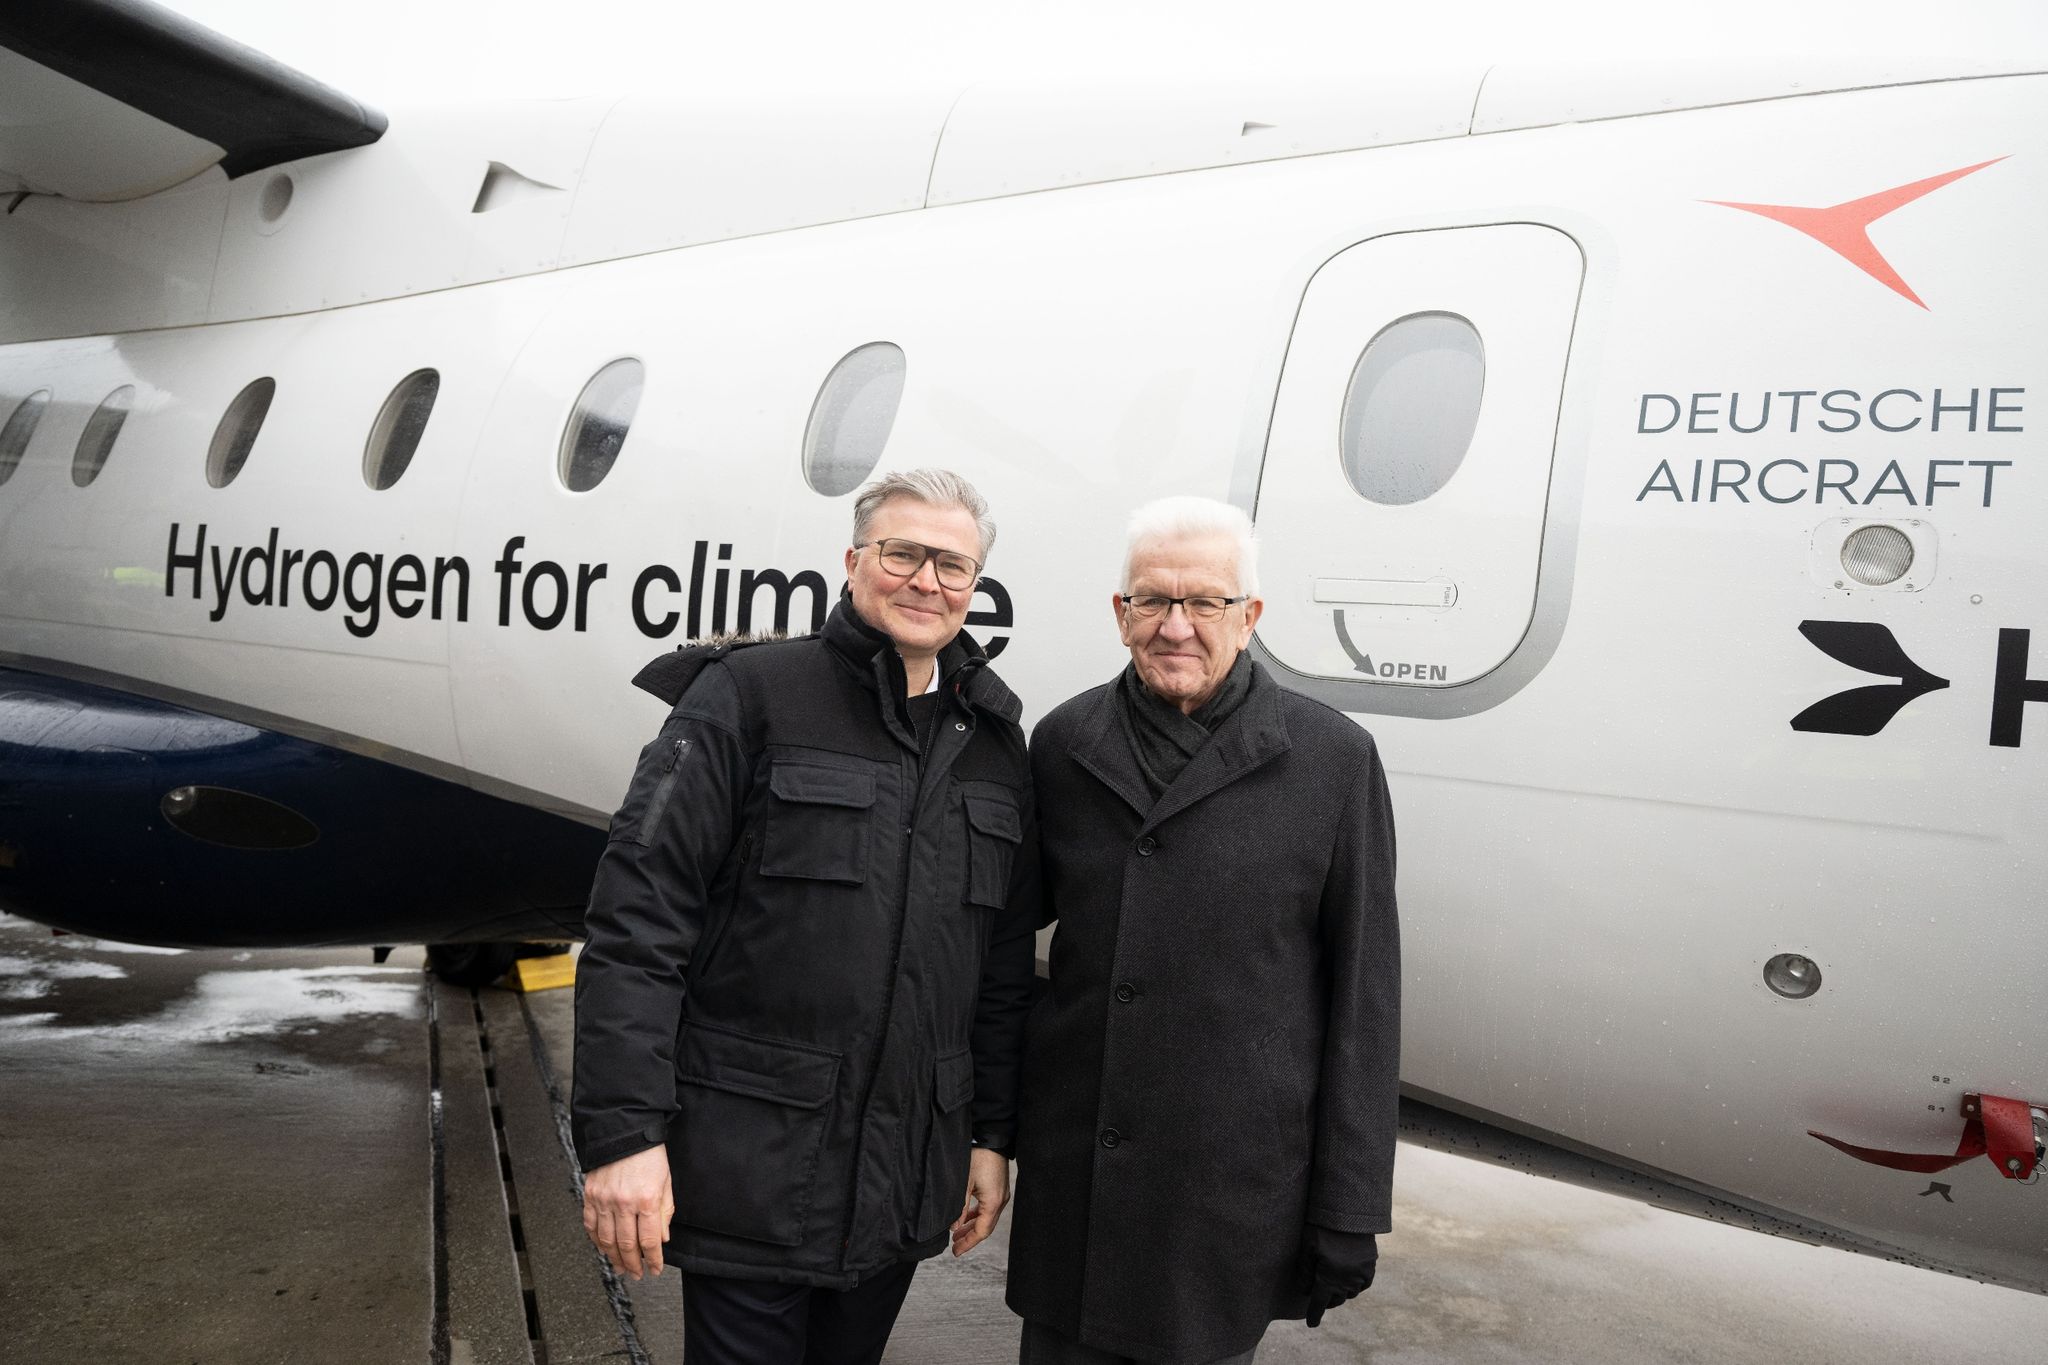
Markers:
point(670, 675)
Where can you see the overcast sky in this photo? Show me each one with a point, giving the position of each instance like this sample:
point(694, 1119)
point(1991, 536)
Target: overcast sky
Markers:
point(402, 51)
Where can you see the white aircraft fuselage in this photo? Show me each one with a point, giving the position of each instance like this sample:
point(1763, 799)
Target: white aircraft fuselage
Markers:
point(1704, 366)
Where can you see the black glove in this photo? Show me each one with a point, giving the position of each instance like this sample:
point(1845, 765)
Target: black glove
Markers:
point(1335, 1266)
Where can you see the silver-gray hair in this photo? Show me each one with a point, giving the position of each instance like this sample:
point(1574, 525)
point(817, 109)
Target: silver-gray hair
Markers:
point(1186, 515)
point(937, 487)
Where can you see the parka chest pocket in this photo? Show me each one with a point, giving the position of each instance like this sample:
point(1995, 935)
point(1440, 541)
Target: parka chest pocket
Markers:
point(818, 823)
point(994, 830)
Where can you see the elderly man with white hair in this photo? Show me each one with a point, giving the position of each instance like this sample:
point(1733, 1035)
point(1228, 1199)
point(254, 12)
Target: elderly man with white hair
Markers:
point(1206, 1137)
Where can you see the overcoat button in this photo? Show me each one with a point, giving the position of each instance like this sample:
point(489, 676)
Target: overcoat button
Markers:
point(1145, 846)
point(1126, 992)
point(1111, 1137)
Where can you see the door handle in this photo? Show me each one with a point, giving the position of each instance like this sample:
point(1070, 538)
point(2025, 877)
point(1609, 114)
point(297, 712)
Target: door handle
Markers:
point(1438, 593)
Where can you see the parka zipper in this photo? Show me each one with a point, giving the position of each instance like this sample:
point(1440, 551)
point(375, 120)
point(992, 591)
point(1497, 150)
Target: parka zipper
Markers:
point(671, 771)
point(860, 1131)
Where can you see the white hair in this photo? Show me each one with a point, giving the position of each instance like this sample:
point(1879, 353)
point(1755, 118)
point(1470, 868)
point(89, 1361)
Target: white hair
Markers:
point(1186, 515)
point(934, 487)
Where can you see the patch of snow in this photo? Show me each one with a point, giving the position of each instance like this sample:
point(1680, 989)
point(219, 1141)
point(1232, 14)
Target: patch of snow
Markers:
point(242, 1004)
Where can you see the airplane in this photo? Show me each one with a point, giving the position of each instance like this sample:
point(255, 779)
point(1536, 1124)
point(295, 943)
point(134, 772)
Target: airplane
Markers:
point(1647, 456)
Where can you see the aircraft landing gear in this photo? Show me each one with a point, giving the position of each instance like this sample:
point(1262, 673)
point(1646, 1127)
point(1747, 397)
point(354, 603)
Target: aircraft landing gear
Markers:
point(471, 964)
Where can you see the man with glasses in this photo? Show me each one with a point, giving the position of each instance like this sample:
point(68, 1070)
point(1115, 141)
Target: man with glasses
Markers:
point(799, 1009)
point(1207, 1133)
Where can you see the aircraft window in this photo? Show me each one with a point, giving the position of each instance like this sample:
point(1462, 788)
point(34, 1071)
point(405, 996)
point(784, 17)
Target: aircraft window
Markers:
point(851, 419)
point(597, 427)
point(100, 431)
point(237, 432)
point(399, 427)
point(1412, 407)
point(20, 426)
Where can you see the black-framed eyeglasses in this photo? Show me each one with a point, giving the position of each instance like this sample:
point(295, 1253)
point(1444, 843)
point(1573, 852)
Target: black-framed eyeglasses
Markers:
point(903, 558)
point(1145, 605)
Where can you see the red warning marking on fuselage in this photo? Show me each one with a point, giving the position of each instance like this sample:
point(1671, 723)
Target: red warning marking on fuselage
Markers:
point(1993, 1126)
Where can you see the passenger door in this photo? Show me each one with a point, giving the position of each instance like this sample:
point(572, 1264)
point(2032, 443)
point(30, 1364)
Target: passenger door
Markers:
point(1403, 501)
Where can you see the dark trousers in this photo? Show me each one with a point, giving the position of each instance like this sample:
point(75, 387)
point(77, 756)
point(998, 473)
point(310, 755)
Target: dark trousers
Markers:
point(753, 1322)
point(1043, 1346)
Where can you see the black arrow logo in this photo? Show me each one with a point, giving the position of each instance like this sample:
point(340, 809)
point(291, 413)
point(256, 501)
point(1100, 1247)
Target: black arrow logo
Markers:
point(1867, 646)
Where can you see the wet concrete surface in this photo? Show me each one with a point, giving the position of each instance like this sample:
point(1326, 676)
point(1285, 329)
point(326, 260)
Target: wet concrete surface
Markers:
point(210, 1156)
point(228, 1156)
point(486, 1296)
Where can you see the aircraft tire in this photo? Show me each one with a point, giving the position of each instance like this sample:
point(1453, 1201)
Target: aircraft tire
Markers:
point(471, 964)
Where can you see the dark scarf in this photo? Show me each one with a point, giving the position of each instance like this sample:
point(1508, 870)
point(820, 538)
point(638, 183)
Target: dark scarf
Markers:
point(1162, 739)
point(874, 658)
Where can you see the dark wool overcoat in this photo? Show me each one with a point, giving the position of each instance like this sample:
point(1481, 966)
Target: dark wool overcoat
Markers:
point(1215, 1064)
point(809, 954)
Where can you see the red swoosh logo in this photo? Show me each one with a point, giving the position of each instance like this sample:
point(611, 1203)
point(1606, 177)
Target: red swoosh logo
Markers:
point(1845, 228)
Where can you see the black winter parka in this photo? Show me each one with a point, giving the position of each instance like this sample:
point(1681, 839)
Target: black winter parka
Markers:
point(809, 953)
point(1216, 1063)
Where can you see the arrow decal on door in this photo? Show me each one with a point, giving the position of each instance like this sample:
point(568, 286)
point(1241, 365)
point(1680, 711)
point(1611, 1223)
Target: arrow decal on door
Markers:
point(1359, 660)
point(1403, 672)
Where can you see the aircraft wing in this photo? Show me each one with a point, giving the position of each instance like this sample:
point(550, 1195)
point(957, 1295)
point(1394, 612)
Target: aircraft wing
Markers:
point(116, 99)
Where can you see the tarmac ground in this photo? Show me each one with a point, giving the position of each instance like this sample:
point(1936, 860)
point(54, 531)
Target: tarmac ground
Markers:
point(228, 1156)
